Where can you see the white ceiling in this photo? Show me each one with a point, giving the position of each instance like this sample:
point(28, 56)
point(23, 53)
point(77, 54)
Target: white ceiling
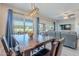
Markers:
point(51, 10)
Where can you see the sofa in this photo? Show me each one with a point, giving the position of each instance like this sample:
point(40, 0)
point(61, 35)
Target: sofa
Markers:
point(70, 37)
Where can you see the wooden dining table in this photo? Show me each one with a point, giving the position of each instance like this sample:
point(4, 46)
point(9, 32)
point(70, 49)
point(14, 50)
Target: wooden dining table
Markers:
point(31, 45)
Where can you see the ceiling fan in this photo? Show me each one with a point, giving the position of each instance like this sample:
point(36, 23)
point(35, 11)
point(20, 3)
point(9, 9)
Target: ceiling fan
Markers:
point(34, 11)
point(68, 15)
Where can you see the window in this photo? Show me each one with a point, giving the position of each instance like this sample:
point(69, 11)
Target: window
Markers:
point(41, 27)
point(21, 25)
point(18, 25)
point(49, 27)
point(21, 29)
point(28, 26)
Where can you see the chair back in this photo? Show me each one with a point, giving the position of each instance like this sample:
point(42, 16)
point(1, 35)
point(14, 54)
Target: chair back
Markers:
point(59, 47)
point(6, 47)
point(44, 50)
point(52, 51)
point(53, 48)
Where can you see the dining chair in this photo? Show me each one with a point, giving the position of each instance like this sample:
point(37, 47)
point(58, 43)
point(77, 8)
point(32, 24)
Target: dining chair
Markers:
point(56, 48)
point(59, 47)
point(44, 51)
point(6, 47)
point(53, 49)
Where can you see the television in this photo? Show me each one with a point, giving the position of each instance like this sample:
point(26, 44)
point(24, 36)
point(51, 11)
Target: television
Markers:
point(65, 27)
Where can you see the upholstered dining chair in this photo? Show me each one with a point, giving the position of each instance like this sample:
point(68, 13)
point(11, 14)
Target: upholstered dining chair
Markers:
point(56, 48)
point(8, 51)
point(44, 51)
point(59, 47)
point(6, 48)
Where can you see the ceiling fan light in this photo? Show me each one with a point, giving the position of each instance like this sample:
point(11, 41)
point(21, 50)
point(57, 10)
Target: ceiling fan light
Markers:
point(65, 17)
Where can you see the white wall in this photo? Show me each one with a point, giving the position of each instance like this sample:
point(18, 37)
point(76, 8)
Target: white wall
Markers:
point(3, 18)
point(77, 23)
point(68, 21)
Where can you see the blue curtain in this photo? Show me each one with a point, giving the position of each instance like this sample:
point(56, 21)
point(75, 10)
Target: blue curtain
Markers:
point(37, 25)
point(9, 27)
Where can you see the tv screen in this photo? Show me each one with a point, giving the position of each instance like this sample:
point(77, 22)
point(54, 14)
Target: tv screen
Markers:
point(65, 27)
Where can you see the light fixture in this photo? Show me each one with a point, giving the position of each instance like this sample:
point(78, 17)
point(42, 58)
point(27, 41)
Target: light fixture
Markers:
point(34, 11)
point(66, 17)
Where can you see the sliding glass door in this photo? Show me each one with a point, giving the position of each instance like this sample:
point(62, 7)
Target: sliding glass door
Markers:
point(18, 25)
point(21, 29)
point(22, 26)
point(28, 26)
point(41, 27)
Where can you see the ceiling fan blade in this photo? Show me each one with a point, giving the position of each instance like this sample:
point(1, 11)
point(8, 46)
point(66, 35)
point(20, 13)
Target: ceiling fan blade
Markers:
point(71, 15)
